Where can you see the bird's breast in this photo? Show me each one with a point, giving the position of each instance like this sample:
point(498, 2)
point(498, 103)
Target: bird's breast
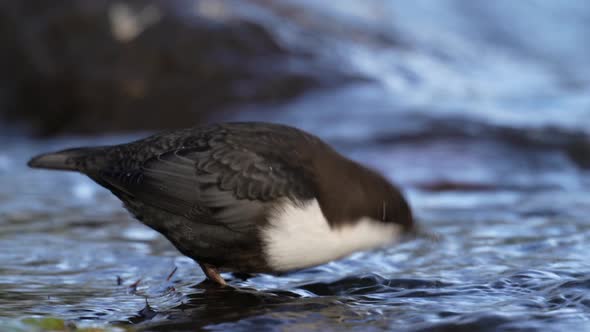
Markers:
point(299, 236)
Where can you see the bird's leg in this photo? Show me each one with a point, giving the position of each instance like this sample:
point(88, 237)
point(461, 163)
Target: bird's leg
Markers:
point(212, 274)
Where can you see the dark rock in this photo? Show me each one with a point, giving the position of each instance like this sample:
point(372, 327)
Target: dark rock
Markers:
point(573, 144)
point(90, 66)
point(579, 151)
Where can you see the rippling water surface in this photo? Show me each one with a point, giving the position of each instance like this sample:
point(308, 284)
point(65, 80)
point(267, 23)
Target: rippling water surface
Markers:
point(491, 147)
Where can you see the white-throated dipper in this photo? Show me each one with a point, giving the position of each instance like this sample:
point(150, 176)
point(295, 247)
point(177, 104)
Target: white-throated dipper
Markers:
point(246, 197)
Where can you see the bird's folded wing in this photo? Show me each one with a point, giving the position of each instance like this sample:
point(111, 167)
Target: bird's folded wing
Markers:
point(219, 184)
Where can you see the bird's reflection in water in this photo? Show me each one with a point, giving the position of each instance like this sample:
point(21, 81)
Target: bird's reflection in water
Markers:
point(239, 307)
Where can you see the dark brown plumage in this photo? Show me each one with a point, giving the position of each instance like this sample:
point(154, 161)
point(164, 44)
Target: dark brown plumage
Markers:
point(210, 189)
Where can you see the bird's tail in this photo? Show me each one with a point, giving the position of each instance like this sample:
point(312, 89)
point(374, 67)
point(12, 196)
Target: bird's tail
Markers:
point(77, 159)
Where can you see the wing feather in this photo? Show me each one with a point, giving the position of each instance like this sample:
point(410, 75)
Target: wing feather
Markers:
point(224, 179)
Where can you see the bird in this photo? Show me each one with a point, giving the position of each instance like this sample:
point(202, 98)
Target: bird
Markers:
point(247, 197)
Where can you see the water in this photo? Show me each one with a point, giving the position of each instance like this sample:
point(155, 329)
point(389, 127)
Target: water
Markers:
point(508, 257)
point(484, 128)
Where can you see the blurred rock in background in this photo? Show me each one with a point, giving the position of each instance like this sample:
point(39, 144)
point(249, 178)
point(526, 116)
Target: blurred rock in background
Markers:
point(94, 66)
point(515, 73)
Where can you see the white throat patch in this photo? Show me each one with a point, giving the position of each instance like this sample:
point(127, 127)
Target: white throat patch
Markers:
point(300, 236)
